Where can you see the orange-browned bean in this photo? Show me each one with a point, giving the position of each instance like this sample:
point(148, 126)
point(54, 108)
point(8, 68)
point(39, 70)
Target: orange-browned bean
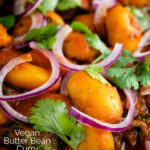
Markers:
point(27, 76)
point(94, 98)
point(97, 139)
point(86, 19)
point(5, 39)
point(123, 27)
point(22, 26)
point(76, 47)
point(53, 17)
point(135, 2)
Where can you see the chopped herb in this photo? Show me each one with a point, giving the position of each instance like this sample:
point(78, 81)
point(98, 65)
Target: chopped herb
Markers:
point(60, 5)
point(80, 27)
point(93, 39)
point(124, 77)
point(49, 5)
point(52, 116)
point(130, 77)
point(144, 72)
point(68, 4)
point(125, 59)
point(47, 44)
point(8, 21)
point(95, 42)
point(44, 36)
point(94, 72)
point(147, 63)
point(143, 18)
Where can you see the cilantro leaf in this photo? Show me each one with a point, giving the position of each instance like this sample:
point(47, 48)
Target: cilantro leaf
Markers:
point(46, 5)
point(125, 59)
point(144, 72)
point(130, 77)
point(143, 18)
point(52, 116)
point(76, 25)
point(68, 4)
point(8, 21)
point(93, 39)
point(49, 4)
point(124, 77)
point(61, 5)
point(147, 63)
point(47, 44)
point(44, 36)
point(94, 72)
point(144, 79)
point(95, 42)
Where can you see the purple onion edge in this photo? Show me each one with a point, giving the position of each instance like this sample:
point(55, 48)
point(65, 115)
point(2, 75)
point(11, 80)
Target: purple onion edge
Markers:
point(31, 94)
point(91, 123)
point(10, 116)
point(28, 9)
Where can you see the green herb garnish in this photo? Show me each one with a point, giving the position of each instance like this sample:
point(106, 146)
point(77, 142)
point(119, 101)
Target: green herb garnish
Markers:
point(8, 21)
point(44, 36)
point(92, 38)
point(94, 71)
point(61, 5)
point(52, 116)
point(68, 4)
point(130, 77)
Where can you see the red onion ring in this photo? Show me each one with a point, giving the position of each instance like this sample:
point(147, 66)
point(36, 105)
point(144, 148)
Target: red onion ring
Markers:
point(145, 41)
point(63, 87)
point(19, 7)
point(21, 45)
point(111, 3)
point(51, 81)
point(38, 21)
point(99, 17)
point(146, 91)
point(87, 120)
point(11, 113)
point(58, 51)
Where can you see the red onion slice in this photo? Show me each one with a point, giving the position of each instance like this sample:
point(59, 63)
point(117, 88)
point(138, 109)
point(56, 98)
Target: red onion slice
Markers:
point(145, 41)
point(11, 113)
point(51, 81)
point(19, 7)
point(111, 3)
point(87, 120)
point(63, 87)
point(113, 57)
point(58, 51)
point(99, 17)
point(146, 91)
point(21, 45)
point(38, 21)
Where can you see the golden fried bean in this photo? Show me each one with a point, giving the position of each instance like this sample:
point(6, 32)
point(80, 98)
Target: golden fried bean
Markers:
point(87, 20)
point(94, 98)
point(97, 139)
point(5, 39)
point(123, 27)
point(53, 17)
point(76, 47)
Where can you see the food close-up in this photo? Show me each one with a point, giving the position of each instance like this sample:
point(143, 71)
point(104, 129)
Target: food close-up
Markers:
point(74, 74)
